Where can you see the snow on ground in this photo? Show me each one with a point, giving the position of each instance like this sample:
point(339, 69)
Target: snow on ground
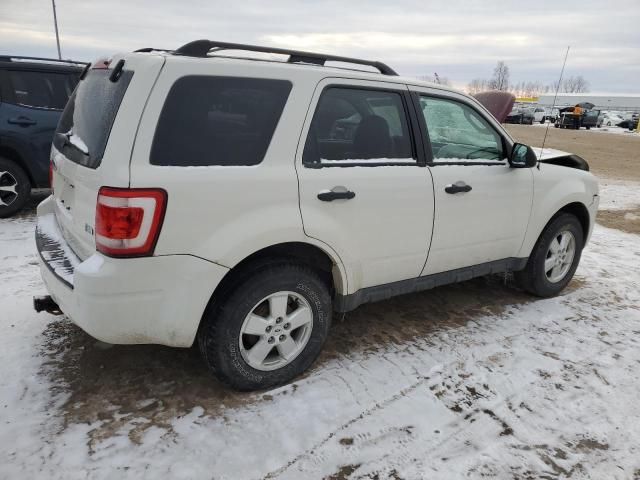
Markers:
point(471, 380)
point(618, 195)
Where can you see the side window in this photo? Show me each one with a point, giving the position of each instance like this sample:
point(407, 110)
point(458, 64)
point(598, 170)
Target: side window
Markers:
point(40, 89)
point(218, 121)
point(359, 125)
point(458, 133)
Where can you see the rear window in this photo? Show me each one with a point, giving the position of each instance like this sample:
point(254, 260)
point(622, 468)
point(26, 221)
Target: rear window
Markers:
point(218, 121)
point(85, 125)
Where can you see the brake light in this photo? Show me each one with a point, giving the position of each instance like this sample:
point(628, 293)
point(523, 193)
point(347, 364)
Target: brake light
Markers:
point(128, 220)
point(101, 64)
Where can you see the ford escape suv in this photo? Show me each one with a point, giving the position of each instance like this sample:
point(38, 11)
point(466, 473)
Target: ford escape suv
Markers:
point(237, 202)
point(33, 92)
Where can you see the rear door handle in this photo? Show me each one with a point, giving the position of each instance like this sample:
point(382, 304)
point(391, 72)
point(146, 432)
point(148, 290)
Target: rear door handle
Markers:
point(336, 193)
point(22, 121)
point(457, 187)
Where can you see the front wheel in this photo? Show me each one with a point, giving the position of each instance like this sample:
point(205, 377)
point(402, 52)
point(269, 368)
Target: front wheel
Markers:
point(15, 188)
point(554, 258)
point(269, 329)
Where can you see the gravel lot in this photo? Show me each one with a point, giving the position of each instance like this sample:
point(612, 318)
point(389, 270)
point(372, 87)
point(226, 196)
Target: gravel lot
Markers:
point(475, 379)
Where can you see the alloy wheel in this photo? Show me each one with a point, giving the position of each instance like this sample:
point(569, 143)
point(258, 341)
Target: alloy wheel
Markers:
point(276, 331)
point(8, 188)
point(560, 256)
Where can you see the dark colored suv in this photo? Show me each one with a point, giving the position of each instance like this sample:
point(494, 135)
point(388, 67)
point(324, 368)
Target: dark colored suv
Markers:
point(33, 93)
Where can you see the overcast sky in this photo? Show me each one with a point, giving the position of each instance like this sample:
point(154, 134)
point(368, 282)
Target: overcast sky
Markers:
point(459, 40)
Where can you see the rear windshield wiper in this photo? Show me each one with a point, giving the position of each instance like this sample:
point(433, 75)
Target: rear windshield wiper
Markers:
point(69, 139)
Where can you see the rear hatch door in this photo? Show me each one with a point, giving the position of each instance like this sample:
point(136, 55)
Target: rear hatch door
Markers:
point(94, 139)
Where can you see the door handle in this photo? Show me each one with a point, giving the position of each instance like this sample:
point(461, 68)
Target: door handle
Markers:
point(457, 187)
point(22, 121)
point(336, 193)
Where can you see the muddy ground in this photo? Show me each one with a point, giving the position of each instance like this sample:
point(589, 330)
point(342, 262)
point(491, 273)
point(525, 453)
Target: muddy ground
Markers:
point(611, 156)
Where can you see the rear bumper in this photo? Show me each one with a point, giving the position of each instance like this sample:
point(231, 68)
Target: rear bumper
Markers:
point(126, 301)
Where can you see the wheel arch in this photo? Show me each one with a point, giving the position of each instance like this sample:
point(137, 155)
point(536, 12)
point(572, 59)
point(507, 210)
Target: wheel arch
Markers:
point(578, 210)
point(329, 268)
point(13, 155)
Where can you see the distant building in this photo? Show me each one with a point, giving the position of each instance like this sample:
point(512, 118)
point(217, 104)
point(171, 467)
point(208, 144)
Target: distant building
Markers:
point(627, 103)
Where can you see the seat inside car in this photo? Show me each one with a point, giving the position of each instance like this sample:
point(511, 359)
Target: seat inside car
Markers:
point(372, 138)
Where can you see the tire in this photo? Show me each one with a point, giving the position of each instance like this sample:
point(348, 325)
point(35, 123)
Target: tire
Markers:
point(227, 351)
point(534, 279)
point(588, 128)
point(15, 188)
point(542, 121)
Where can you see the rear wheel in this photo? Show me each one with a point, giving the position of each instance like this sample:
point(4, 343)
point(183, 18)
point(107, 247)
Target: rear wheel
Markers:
point(269, 329)
point(15, 188)
point(555, 257)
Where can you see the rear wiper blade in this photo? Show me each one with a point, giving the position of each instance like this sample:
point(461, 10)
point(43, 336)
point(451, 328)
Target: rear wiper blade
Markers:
point(68, 139)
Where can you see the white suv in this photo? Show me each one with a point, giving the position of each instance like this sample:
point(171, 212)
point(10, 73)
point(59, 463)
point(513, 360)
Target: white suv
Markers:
point(240, 201)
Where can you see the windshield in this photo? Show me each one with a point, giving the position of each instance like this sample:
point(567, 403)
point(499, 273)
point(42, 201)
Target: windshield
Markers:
point(86, 122)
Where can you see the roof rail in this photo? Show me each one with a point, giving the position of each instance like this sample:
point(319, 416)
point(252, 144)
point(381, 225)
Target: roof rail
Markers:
point(201, 48)
point(9, 58)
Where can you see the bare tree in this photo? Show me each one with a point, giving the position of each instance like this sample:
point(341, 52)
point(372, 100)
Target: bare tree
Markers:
point(575, 84)
point(477, 85)
point(500, 79)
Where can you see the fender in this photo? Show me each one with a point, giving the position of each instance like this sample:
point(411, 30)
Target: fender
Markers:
point(554, 188)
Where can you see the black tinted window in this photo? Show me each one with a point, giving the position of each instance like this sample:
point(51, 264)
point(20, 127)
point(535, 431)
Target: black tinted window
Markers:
point(86, 122)
point(218, 121)
point(41, 89)
point(355, 124)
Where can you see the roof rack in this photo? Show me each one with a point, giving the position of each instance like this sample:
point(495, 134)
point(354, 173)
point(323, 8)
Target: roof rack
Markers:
point(201, 48)
point(10, 58)
point(151, 49)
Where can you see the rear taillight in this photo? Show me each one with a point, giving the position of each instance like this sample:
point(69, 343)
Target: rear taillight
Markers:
point(128, 220)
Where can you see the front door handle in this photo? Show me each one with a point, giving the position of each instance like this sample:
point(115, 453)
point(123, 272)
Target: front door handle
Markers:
point(457, 187)
point(336, 193)
point(22, 121)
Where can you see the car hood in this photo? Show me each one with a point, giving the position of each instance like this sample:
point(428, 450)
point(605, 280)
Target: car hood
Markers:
point(558, 157)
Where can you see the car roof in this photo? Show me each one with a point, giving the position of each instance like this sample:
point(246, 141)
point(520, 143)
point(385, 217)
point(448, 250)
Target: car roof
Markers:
point(40, 64)
point(286, 68)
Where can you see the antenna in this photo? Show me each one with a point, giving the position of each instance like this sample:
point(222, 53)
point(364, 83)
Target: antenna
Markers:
point(555, 98)
point(55, 23)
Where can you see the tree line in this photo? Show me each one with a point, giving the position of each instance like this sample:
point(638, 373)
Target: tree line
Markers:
point(500, 81)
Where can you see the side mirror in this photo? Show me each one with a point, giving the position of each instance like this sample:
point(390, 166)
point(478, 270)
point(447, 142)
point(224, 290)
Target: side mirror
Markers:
point(522, 156)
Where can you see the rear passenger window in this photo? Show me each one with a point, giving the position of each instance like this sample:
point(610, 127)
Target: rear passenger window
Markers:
point(359, 125)
point(41, 89)
point(218, 121)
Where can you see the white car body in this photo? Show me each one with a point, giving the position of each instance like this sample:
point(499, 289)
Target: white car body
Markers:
point(611, 119)
point(539, 114)
point(401, 232)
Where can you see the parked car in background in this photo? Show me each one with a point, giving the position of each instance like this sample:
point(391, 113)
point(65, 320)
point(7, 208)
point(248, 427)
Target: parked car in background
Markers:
point(33, 93)
point(590, 118)
point(539, 114)
point(521, 115)
point(237, 215)
point(631, 124)
point(610, 119)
